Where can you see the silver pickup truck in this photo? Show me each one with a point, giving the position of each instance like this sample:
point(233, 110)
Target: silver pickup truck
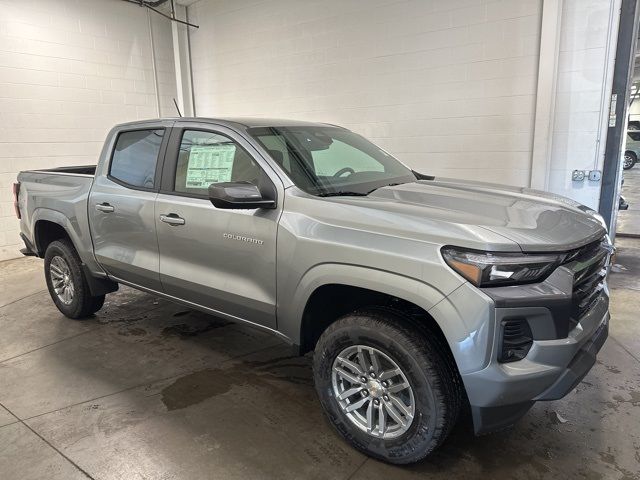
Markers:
point(421, 297)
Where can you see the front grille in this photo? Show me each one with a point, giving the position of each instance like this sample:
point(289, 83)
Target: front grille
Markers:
point(590, 270)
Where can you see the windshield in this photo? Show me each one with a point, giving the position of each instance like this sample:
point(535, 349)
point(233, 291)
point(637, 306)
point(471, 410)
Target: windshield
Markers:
point(328, 161)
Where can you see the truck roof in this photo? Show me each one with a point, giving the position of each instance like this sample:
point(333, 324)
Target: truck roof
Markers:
point(246, 122)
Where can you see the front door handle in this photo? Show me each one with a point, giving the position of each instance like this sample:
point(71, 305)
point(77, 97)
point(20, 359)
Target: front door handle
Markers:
point(172, 219)
point(105, 207)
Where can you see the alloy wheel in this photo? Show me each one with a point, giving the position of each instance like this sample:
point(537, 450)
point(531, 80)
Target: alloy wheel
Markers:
point(60, 275)
point(373, 392)
point(628, 161)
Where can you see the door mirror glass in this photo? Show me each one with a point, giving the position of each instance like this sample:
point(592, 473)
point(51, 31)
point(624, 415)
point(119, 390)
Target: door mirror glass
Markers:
point(239, 195)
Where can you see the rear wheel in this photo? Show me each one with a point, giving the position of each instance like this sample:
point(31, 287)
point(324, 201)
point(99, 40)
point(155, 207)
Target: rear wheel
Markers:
point(66, 281)
point(388, 389)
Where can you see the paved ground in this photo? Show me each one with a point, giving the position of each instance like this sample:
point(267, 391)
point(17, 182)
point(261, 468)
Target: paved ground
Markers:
point(629, 220)
point(148, 389)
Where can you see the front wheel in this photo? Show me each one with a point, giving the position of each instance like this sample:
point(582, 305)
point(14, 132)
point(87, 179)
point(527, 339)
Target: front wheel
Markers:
point(387, 388)
point(66, 282)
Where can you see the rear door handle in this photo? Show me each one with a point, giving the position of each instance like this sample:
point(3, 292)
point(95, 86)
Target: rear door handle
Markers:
point(172, 219)
point(105, 207)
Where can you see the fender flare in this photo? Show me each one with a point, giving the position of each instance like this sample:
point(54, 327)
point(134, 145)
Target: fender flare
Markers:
point(419, 293)
point(99, 285)
point(54, 216)
point(464, 318)
point(409, 289)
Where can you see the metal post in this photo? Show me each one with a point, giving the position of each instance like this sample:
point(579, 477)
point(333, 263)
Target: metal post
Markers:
point(546, 93)
point(153, 63)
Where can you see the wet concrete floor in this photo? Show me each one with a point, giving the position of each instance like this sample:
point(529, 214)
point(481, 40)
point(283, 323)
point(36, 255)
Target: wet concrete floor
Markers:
point(149, 389)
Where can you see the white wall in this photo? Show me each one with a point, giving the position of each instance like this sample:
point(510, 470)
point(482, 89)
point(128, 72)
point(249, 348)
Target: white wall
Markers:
point(70, 70)
point(447, 86)
point(587, 54)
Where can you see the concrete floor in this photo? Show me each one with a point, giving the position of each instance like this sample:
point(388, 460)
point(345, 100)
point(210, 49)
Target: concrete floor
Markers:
point(148, 389)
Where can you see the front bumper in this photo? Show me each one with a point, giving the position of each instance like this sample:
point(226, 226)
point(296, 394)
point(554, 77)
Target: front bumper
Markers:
point(562, 352)
point(503, 393)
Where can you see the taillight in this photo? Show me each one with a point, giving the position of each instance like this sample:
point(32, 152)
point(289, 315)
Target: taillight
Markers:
point(16, 192)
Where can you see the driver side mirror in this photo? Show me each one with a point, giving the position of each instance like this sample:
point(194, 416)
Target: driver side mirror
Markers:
point(239, 195)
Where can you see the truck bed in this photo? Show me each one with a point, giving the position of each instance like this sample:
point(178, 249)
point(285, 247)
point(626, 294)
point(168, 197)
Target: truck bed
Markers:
point(59, 196)
point(75, 170)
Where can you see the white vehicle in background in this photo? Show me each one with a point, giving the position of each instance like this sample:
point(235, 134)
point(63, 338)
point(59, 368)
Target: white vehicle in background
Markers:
point(632, 149)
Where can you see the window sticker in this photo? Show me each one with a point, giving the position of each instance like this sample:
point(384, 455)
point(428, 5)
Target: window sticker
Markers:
point(209, 164)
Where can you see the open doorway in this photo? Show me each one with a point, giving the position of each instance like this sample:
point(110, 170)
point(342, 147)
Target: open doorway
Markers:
point(628, 223)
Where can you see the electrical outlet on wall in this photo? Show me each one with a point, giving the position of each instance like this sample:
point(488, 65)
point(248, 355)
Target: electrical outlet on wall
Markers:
point(578, 175)
point(595, 175)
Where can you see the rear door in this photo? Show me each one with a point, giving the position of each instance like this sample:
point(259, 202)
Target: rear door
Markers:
point(218, 258)
point(122, 204)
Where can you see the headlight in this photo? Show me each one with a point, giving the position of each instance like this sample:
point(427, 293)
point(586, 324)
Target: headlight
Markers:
point(488, 269)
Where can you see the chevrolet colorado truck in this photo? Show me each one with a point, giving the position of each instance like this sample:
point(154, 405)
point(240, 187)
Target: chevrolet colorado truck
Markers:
point(421, 297)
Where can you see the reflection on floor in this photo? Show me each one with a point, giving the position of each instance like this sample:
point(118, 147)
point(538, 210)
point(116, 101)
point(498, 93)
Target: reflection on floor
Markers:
point(629, 220)
point(150, 389)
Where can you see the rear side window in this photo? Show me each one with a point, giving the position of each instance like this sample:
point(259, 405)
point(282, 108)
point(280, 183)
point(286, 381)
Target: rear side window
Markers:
point(136, 156)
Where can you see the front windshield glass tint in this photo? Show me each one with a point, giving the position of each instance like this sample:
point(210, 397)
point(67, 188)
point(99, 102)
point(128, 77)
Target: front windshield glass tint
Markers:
point(330, 160)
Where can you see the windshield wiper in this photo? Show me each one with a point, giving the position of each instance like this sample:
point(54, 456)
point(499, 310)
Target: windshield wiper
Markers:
point(387, 185)
point(342, 194)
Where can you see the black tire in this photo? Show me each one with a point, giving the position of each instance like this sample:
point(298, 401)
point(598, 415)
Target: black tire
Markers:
point(82, 304)
point(629, 160)
point(426, 365)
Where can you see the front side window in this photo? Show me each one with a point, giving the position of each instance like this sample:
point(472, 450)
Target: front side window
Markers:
point(135, 157)
point(206, 157)
point(328, 161)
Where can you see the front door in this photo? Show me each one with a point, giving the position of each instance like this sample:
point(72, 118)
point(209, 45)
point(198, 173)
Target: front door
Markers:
point(122, 207)
point(218, 258)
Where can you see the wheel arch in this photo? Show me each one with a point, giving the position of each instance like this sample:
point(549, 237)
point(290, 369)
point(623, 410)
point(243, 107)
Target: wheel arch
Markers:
point(49, 226)
point(331, 301)
point(48, 223)
point(329, 291)
point(47, 231)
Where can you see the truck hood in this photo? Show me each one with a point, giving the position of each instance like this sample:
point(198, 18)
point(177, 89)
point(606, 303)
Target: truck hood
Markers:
point(537, 221)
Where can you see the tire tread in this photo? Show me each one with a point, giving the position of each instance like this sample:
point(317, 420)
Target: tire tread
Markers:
point(432, 357)
point(86, 304)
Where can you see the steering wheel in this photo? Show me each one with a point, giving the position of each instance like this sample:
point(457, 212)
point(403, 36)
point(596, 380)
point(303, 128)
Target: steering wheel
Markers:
point(344, 170)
